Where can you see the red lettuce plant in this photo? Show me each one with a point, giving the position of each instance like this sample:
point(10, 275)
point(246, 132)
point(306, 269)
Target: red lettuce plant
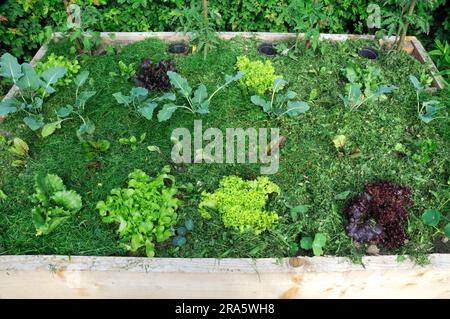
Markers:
point(378, 214)
point(153, 76)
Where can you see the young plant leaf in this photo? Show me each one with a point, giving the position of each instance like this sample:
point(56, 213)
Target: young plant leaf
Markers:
point(189, 224)
point(306, 243)
point(259, 101)
point(339, 141)
point(64, 111)
point(33, 122)
point(10, 68)
point(83, 98)
point(122, 99)
point(295, 108)
point(166, 112)
point(81, 78)
point(139, 92)
point(232, 78)
point(69, 200)
point(318, 244)
point(416, 83)
point(147, 110)
point(166, 96)
point(19, 147)
point(200, 95)
point(50, 128)
point(180, 83)
point(154, 148)
point(87, 128)
point(30, 79)
point(51, 76)
point(385, 89)
point(179, 241)
point(278, 84)
point(431, 217)
point(7, 107)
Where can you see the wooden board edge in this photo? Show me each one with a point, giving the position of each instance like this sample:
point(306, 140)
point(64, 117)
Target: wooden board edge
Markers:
point(128, 277)
point(422, 55)
point(227, 265)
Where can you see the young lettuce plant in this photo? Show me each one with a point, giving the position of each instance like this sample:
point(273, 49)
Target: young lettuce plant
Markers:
point(428, 110)
point(87, 127)
point(281, 103)
point(54, 203)
point(33, 88)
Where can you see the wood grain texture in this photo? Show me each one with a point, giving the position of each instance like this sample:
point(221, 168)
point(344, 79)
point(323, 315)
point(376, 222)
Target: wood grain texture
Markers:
point(129, 277)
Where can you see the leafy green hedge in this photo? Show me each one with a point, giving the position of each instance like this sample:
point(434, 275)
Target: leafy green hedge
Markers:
point(24, 24)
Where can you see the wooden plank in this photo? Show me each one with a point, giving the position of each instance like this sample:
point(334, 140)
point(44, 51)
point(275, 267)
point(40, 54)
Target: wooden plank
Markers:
point(128, 277)
point(422, 55)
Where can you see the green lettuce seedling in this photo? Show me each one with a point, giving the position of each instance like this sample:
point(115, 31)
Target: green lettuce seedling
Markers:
point(241, 203)
point(145, 211)
point(54, 203)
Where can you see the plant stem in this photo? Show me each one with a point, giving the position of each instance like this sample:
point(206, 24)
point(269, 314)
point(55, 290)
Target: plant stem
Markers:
point(418, 102)
point(205, 9)
point(214, 93)
point(188, 98)
point(405, 28)
point(187, 108)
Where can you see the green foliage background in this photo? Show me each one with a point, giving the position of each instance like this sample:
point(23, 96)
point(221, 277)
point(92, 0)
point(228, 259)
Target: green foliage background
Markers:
point(29, 21)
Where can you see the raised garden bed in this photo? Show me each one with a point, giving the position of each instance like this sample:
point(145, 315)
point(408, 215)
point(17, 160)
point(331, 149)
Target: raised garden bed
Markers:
point(314, 175)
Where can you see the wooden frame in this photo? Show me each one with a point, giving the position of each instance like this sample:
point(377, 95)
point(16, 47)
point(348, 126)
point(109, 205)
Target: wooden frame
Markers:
point(305, 277)
point(137, 277)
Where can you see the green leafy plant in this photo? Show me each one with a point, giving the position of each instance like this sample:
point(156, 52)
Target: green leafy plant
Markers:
point(94, 148)
point(433, 217)
point(54, 203)
point(20, 149)
point(82, 34)
point(281, 103)
point(429, 110)
point(140, 102)
point(145, 211)
point(258, 76)
point(87, 127)
point(29, 84)
point(398, 15)
point(364, 85)
point(72, 67)
point(441, 56)
point(198, 101)
point(133, 141)
point(316, 244)
point(426, 149)
point(241, 203)
point(307, 17)
point(127, 71)
point(202, 27)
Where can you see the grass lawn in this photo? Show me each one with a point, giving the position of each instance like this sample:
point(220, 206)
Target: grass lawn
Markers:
point(312, 172)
